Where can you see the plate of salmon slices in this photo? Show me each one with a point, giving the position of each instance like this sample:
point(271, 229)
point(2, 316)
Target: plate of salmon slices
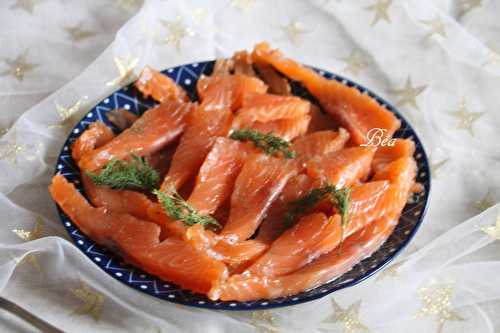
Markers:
point(243, 183)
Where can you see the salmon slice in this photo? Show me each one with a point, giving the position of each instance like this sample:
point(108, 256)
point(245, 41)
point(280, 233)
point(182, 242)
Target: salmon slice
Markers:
point(320, 120)
point(233, 254)
point(363, 243)
point(159, 86)
point(277, 84)
point(173, 259)
point(387, 154)
point(211, 120)
point(320, 143)
point(177, 261)
point(243, 63)
point(266, 107)
point(123, 201)
point(315, 234)
point(223, 66)
point(341, 168)
point(324, 269)
point(121, 118)
point(259, 183)
point(353, 110)
point(94, 136)
point(215, 180)
point(150, 133)
point(287, 129)
point(273, 224)
point(236, 86)
point(169, 227)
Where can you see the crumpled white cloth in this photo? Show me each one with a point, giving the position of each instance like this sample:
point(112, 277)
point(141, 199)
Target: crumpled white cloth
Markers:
point(445, 281)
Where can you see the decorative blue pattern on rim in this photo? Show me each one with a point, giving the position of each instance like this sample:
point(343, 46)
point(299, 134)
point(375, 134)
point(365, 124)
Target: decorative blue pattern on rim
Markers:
point(187, 75)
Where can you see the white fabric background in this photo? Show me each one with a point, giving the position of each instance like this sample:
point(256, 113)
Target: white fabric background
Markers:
point(451, 256)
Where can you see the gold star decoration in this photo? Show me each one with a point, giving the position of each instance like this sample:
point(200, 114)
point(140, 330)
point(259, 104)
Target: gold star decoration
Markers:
point(11, 150)
point(66, 114)
point(264, 321)
point(349, 317)
point(465, 117)
point(293, 31)
point(76, 33)
point(125, 67)
point(26, 5)
point(390, 272)
point(485, 203)
point(493, 230)
point(130, 5)
point(30, 258)
point(408, 94)
point(177, 31)
point(29, 235)
point(200, 14)
point(380, 8)
point(436, 26)
point(355, 62)
point(436, 302)
point(18, 66)
point(469, 5)
point(92, 301)
point(436, 166)
point(243, 5)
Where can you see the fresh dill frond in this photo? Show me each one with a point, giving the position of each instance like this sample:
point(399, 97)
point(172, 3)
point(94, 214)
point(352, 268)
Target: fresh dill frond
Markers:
point(268, 143)
point(135, 173)
point(178, 209)
point(340, 198)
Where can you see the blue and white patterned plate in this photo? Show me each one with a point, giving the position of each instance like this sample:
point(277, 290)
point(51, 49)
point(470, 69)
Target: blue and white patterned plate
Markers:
point(187, 75)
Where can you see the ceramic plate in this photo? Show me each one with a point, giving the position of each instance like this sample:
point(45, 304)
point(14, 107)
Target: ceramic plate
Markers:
point(186, 76)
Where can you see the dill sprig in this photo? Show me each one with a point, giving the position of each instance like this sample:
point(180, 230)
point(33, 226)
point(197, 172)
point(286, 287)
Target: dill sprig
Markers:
point(268, 143)
point(340, 198)
point(135, 173)
point(178, 209)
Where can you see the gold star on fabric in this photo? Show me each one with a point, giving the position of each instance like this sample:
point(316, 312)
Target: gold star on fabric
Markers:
point(92, 301)
point(67, 114)
point(355, 62)
point(380, 8)
point(469, 5)
point(26, 5)
point(264, 321)
point(76, 33)
point(408, 94)
point(243, 5)
point(349, 317)
point(30, 258)
point(18, 66)
point(177, 31)
point(293, 31)
point(130, 5)
point(493, 230)
point(29, 235)
point(436, 302)
point(125, 67)
point(466, 118)
point(390, 272)
point(436, 26)
point(436, 166)
point(11, 150)
point(200, 14)
point(485, 203)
